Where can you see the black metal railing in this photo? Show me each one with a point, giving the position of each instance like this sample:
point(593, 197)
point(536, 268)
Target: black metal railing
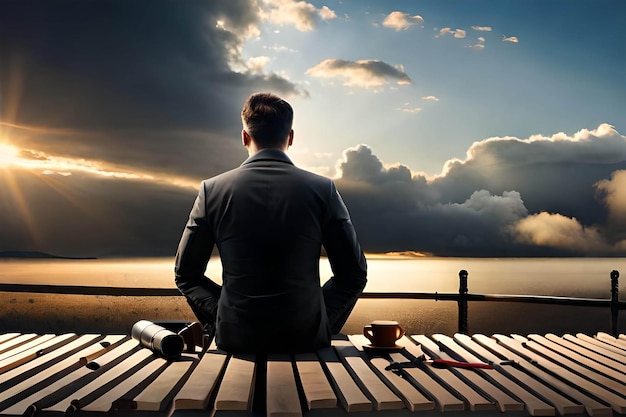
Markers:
point(463, 297)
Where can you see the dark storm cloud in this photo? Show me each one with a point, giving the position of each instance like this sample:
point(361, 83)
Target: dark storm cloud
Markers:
point(93, 213)
point(395, 211)
point(86, 215)
point(613, 193)
point(193, 154)
point(510, 197)
point(555, 174)
point(146, 88)
point(142, 88)
point(131, 77)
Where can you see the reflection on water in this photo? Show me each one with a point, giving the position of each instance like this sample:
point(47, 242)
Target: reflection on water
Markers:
point(579, 277)
point(429, 317)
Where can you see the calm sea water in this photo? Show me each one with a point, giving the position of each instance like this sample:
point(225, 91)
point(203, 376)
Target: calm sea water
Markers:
point(573, 277)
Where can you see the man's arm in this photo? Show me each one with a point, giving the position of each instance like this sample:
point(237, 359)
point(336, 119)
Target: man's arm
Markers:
point(194, 251)
point(347, 262)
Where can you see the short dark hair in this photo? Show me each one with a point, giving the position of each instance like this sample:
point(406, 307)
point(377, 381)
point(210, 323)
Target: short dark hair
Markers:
point(267, 118)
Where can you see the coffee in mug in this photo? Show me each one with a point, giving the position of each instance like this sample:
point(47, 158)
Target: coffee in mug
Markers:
point(383, 333)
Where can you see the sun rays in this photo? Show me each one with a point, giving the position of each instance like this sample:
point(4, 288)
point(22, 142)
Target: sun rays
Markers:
point(44, 163)
point(8, 155)
point(28, 173)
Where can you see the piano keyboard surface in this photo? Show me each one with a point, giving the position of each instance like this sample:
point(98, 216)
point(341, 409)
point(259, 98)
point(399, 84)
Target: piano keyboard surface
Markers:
point(112, 375)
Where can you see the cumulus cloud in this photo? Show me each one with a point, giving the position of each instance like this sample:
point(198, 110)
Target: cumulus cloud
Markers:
point(410, 109)
point(458, 33)
point(127, 135)
point(479, 46)
point(279, 48)
point(554, 173)
point(443, 31)
point(304, 16)
point(601, 145)
point(506, 208)
point(257, 64)
point(558, 231)
point(394, 209)
point(363, 73)
point(402, 21)
point(612, 192)
point(553, 195)
point(512, 39)
point(361, 168)
point(327, 14)
point(430, 98)
point(482, 28)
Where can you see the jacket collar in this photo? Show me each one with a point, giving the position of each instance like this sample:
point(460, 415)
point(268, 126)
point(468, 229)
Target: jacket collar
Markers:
point(268, 154)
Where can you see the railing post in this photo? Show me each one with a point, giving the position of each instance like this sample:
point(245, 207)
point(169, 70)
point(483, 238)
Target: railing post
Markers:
point(614, 302)
point(462, 302)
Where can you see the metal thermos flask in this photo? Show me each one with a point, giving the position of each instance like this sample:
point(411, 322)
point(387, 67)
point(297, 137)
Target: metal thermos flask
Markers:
point(158, 339)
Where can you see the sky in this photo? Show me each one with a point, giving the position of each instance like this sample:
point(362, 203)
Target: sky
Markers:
point(451, 128)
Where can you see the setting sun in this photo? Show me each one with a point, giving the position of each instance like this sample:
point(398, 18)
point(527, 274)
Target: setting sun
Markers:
point(8, 155)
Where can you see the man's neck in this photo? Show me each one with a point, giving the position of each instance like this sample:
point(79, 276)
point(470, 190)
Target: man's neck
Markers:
point(253, 149)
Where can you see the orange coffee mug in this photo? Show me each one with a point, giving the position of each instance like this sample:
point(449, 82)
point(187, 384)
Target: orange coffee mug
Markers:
point(383, 333)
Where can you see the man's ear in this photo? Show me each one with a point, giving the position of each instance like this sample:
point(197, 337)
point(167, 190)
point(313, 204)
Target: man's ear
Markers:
point(290, 137)
point(245, 138)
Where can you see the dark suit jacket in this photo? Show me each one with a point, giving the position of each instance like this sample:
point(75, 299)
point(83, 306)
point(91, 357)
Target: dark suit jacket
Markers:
point(269, 221)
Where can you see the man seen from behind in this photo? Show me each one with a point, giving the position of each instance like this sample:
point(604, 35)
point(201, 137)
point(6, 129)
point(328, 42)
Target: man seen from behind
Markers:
point(270, 220)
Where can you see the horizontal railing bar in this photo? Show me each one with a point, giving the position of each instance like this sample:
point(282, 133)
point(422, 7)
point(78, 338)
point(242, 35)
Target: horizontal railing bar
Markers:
point(537, 299)
point(169, 292)
point(89, 290)
point(541, 299)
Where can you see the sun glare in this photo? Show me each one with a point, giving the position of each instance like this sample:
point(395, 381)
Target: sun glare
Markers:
point(8, 155)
